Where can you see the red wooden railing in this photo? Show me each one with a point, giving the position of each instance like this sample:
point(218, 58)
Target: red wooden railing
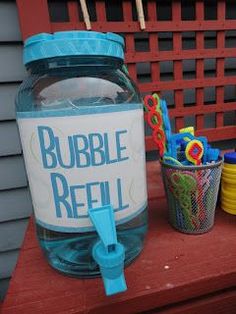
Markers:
point(35, 18)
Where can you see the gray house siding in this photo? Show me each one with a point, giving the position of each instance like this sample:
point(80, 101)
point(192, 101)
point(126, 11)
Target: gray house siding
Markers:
point(7, 96)
point(15, 203)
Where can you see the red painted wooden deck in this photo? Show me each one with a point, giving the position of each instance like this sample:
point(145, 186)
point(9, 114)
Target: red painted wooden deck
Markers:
point(175, 274)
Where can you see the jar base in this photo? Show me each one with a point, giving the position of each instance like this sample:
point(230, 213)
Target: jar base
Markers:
point(82, 274)
point(71, 254)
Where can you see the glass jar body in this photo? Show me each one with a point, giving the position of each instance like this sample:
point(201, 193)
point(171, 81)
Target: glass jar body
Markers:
point(70, 112)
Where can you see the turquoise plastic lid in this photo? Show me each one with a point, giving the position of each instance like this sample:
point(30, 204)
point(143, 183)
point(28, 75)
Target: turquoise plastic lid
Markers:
point(73, 43)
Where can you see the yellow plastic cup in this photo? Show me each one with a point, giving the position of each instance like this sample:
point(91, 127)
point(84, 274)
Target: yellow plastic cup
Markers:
point(228, 201)
point(227, 207)
point(231, 171)
point(230, 166)
point(228, 184)
point(228, 210)
point(229, 179)
point(228, 194)
point(229, 175)
point(229, 190)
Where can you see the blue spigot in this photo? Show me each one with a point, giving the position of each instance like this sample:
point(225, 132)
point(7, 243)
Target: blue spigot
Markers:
point(107, 252)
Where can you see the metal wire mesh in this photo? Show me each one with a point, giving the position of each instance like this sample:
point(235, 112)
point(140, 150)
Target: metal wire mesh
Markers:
point(192, 195)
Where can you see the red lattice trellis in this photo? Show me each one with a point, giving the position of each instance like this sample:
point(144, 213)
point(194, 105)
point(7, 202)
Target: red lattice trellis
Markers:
point(35, 18)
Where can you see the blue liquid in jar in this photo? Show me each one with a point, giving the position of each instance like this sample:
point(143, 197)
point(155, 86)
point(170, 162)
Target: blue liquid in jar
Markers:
point(71, 253)
point(50, 87)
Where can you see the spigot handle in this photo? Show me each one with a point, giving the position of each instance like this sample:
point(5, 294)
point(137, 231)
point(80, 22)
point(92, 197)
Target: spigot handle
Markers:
point(108, 253)
point(104, 221)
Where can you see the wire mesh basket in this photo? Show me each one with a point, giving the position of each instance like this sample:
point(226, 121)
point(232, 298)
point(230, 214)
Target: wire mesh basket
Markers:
point(192, 195)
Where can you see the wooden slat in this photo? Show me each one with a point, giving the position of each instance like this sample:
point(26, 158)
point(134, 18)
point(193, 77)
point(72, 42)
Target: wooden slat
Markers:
point(101, 10)
point(7, 101)
point(219, 303)
point(38, 19)
point(218, 134)
point(7, 263)
point(151, 8)
point(4, 283)
point(12, 68)
point(129, 38)
point(73, 12)
point(153, 41)
point(12, 234)
point(9, 22)
point(182, 55)
point(220, 62)
point(163, 26)
point(183, 84)
point(9, 139)
point(199, 64)
point(186, 111)
point(15, 204)
point(13, 171)
point(178, 70)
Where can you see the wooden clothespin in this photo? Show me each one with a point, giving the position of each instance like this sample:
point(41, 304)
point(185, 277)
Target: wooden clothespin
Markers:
point(85, 14)
point(139, 6)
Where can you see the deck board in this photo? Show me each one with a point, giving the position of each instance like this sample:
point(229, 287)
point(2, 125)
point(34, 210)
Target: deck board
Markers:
point(173, 268)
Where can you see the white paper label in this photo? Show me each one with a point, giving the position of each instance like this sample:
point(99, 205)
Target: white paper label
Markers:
point(85, 159)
